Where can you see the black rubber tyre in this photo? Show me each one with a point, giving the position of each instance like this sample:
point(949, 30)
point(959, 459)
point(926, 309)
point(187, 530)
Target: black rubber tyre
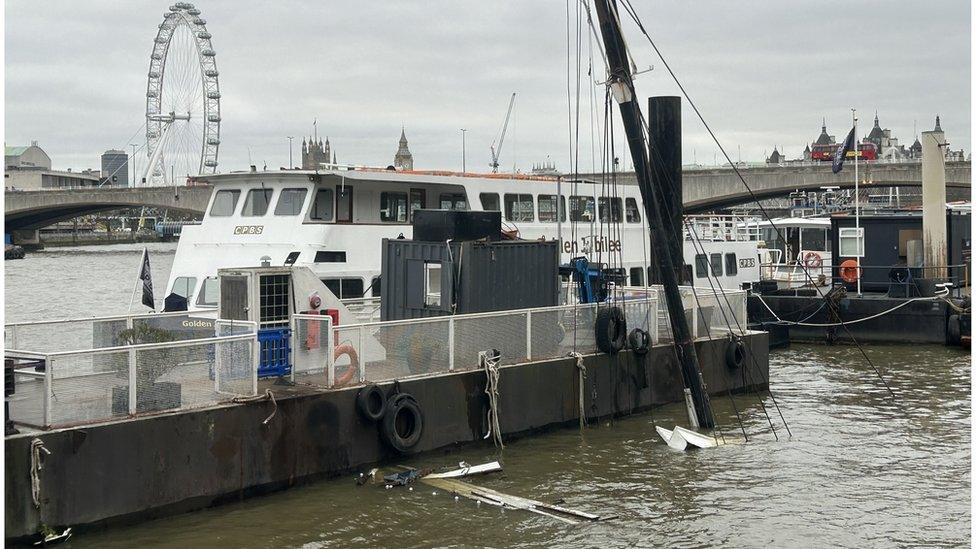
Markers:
point(953, 330)
point(371, 402)
point(639, 341)
point(403, 423)
point(735, 354)
point(611, 330)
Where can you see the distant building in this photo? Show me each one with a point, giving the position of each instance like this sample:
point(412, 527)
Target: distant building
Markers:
point(776, 157)
point(115, 168)
point(545, 168)
point(26, 157)
point(887, 145)
point(315, 153)
point(403, 159)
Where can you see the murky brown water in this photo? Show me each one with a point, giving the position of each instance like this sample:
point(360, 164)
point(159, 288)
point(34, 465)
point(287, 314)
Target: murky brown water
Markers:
point(861, 470)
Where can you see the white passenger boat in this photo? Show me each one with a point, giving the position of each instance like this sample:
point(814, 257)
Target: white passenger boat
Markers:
point(333, 221)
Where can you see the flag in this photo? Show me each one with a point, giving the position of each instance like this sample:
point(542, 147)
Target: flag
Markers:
point(841, 153)
point(145, 275)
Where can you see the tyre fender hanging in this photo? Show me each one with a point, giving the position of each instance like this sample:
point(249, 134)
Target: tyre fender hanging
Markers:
point(611, 330)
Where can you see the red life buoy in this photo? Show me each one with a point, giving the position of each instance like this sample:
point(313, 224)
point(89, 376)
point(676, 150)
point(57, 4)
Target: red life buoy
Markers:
point(850, 271)
point(352, 369)
point(812, 260)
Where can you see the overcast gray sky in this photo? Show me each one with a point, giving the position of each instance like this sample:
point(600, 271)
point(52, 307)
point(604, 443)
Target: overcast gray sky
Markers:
point(763, 73)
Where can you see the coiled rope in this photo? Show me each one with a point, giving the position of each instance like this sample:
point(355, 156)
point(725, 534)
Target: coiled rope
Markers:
point(491, 389)
point(37, 446)
point(268, 395)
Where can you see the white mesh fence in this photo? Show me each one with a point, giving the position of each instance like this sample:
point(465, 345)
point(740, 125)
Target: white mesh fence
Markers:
point(310, 348)
point(505, 332)
point(99, 384)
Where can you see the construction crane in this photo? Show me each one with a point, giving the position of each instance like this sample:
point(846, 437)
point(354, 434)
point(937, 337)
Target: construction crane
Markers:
point(495, 153)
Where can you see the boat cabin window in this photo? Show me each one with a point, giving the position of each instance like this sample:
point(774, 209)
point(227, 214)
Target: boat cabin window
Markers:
point(636, 276)
point(519, 207)
point(290, 202)
point(582, 208)
point(610, 210)
point(208, 292)
point(633, 213)
point(344, 204)
point(273, 310)
point(322, 205)
point(547, 207)
point(345, 288)
point(489, 203)
point(257, 202)
point(432, 284)
point(701, 266)
point(393, 207)
point(731, 264)
point(225, 202)
point(183, 286)
point(851, 240)
point(716, 260)
point(813, 239)
point(453, 201)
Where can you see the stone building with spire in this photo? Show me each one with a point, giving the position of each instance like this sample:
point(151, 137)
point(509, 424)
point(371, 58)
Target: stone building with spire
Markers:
point(315, 153)
point(403, 160)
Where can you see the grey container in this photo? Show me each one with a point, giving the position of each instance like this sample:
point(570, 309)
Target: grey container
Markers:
point(426, 279)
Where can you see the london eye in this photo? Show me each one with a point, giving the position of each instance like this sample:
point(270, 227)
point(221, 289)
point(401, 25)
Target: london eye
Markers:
point(182, 99)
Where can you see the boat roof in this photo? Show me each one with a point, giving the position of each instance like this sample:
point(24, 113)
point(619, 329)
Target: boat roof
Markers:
point(802, 222)
point(380, 175)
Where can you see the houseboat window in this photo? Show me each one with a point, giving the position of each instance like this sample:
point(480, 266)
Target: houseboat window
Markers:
point(453, 201)
point(582, 208)
point(701, 266)
point(519, 207)
point(183, 286)
point(813, 239)
point(547, 207)
point(418, 201)
point(636, 276)
point(345, 288)
point(257, 202)
point(208, 292)
point(344, 204)
point(851, 240)
point(615, 214)
point(489, 203)
point(731, 265)
point(716, 264)
point(633, 213)
point(225, 202)
point(290, 202)
point(432, 284)
point(393, 207)
point(322, 206)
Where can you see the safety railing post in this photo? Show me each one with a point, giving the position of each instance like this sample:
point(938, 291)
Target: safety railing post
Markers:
point(450, 343)
point(48, 390)
point(528, 335)
point(362, 353)
point(132, 381)
point(329, 353)
point(216, 367)
point(293, 325)
point(255, 361)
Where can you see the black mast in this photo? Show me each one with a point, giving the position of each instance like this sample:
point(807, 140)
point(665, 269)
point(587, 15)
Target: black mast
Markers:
point(622, 88)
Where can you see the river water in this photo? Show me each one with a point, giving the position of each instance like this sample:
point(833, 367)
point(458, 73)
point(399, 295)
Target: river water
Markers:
point(860, 470)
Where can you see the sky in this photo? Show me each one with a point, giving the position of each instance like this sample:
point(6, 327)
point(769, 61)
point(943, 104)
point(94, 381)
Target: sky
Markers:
point(763, 74)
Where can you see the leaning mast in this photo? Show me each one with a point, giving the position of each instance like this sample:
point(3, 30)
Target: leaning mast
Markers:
point(621, 85)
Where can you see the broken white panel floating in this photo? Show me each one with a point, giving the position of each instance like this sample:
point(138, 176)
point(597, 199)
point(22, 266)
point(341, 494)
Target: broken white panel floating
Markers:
point(681, 438)
point(467, 470)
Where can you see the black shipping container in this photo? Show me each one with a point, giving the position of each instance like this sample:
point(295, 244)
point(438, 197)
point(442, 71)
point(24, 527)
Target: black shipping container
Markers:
point(426, 279)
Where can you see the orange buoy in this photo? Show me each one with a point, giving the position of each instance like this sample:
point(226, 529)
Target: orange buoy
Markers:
point(850, 271)
point(812, 260)
point(352, 369)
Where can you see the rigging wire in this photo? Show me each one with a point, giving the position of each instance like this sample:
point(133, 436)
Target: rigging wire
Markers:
point(630, 10)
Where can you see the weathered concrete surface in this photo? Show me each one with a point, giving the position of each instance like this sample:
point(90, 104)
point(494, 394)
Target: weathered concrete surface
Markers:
point(137, 469)
point(710, 188)
point(36, 209)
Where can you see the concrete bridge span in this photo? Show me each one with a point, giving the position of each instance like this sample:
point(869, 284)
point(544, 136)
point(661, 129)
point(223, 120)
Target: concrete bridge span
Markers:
point(31, 210)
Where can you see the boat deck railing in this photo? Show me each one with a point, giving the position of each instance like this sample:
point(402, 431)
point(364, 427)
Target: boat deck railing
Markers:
point(79, 371)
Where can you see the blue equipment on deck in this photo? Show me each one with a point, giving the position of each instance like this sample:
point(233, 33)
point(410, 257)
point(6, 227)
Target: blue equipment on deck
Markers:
point(590, 279)
point(275, 352)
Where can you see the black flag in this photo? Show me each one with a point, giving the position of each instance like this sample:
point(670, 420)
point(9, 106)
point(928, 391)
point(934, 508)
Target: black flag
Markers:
point(145, 275)
point(841, 153)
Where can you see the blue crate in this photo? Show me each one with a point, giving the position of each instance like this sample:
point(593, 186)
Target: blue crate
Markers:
point(275, 352)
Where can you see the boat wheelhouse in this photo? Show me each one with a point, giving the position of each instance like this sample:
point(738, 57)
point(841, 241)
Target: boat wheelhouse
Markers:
point(334, 221)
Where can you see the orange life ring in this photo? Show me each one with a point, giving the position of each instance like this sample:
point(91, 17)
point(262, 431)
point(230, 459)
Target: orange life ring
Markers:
point(812, 260)
point(352, 369)
point(850, 271)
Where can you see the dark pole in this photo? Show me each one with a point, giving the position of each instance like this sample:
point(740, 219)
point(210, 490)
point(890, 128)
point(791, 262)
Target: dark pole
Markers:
point(664, 151)
point(622, 88)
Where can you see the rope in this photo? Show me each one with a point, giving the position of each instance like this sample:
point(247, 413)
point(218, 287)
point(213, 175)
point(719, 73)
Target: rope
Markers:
point(834, 324)
point(268, 395)
point(491, 389)
point(37, 446)
point(581, 368)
